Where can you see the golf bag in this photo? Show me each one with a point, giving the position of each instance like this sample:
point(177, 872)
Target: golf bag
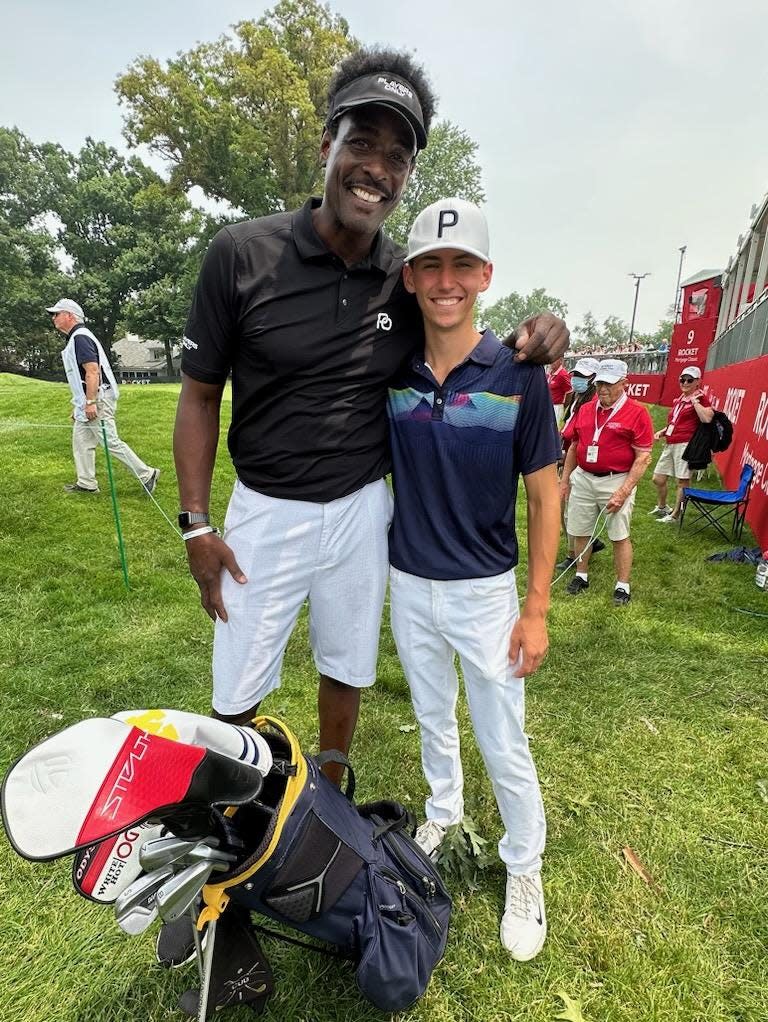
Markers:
point(161, 806)
point(345, 874)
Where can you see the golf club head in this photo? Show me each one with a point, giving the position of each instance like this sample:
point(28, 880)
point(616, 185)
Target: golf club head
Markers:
point(162, 851)
point(176, 896)
point(221, 861)
point(136, 906)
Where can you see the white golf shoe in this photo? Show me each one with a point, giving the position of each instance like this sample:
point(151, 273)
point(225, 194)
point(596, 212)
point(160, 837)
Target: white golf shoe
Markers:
point(524, 924)
point(429, 836)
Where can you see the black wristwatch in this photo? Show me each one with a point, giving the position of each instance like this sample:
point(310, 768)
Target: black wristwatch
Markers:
point(187, 518)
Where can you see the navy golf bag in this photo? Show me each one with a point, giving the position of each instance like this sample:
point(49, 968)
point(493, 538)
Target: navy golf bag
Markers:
point(251, 820)
point(348, 875)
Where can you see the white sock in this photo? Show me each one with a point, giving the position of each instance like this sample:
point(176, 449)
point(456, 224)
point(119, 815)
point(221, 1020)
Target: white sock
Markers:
point(581, 574)
point(622, 585)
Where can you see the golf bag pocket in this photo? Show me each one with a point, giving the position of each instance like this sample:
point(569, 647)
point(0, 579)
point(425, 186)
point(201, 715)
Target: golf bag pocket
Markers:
point(400, 943)
point(314, 875)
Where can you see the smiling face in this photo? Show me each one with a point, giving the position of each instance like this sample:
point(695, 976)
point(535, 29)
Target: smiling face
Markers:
point(446, 283)
point(367, 166)
point(688, 385)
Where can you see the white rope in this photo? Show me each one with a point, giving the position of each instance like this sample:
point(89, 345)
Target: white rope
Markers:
point(11, 424)
point(596, 534)
point(23, 424)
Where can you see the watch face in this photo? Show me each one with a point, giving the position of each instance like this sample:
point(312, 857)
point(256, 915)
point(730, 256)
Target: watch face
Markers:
point(187, 518)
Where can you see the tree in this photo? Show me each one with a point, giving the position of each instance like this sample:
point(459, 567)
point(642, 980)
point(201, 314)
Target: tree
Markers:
point(30, 277)
point(242, 118)
point(160, 309)
point(124, 231)
point(447, 167)
point(615, 333)
point(663, 332)
point(586, 335)
point(507, 313)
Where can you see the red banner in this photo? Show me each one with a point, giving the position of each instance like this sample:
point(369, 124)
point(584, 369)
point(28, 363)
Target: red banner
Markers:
point(690, 344)
point(741, 391)
point(646, 387)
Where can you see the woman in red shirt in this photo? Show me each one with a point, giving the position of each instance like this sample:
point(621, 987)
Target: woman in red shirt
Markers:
point(691, 408)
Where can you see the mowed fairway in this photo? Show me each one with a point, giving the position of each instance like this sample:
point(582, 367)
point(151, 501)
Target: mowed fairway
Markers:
point(649, 726)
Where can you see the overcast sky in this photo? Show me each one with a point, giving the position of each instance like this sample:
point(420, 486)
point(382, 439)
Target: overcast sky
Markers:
point(609, 133)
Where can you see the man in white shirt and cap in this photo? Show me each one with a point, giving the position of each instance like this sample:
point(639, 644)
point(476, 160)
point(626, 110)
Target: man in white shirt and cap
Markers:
point(94, 400)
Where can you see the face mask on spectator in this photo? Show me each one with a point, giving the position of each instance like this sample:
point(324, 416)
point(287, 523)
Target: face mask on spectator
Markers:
point(579, 384)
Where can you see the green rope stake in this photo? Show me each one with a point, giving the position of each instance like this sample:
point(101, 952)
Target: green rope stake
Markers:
point(115, 509)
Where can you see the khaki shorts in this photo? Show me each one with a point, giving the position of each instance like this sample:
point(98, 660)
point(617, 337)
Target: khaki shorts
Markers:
point(589, 495)
point(672, 463)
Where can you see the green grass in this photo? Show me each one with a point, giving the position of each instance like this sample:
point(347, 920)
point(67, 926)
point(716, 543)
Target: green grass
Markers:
point(649, 727)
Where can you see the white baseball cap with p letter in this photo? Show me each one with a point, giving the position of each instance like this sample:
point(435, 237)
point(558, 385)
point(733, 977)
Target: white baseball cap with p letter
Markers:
point(449, 223)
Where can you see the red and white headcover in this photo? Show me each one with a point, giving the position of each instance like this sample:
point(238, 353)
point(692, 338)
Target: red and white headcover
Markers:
point(95, 783)
point(89, 782)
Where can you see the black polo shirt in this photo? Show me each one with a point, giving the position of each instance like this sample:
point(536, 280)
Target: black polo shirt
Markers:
point(311, 344)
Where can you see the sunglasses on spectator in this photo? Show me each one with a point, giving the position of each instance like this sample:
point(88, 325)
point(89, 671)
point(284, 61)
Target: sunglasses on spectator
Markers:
point(686, 379)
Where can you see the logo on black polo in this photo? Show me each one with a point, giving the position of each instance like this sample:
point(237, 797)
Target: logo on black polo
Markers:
point(383, 322)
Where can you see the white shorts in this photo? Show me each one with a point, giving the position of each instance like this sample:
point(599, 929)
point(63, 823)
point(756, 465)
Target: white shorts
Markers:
point(334, 555)
point(672, 463)
point(589, 494)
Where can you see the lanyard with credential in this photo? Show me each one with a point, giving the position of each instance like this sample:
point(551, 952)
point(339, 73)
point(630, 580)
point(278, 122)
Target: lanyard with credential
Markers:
point(599, 429)
point(592, 448)
point(677, 408)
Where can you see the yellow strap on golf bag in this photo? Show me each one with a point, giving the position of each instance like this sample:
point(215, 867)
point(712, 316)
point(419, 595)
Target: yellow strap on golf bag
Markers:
point(214, 895)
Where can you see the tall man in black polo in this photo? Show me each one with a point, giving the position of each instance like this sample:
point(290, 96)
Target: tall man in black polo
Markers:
point(308, 312)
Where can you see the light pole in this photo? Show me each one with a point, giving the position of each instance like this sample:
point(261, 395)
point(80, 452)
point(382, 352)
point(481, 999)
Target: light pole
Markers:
point(638, 277)
point(679, 275)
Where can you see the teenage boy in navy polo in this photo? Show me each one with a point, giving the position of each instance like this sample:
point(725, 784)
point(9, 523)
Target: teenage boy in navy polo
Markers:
point(466, 421)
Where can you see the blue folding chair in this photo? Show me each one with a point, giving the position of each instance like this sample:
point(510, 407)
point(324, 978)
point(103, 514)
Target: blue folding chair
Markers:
point(715, 506)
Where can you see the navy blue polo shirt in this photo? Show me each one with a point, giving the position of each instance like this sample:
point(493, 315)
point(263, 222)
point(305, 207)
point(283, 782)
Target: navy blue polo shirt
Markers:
point(458, 451)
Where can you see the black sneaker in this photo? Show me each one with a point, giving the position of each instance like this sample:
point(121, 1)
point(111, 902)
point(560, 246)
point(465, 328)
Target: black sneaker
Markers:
point(151, 483)
point(176, 943)
point(621, 597)
point(597, 546)
point(565, 564)
point(77, 488)
point(577, 585)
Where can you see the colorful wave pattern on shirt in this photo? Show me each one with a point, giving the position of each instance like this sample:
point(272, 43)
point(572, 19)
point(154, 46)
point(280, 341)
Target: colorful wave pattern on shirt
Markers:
point(489, 411)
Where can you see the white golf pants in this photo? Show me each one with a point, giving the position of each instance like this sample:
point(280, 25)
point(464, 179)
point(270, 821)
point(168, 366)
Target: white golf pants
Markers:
point(432, 621)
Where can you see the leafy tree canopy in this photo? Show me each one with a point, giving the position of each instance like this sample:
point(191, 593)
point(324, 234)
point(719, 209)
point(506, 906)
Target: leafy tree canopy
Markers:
point(509, 312)
point(448, 167)
point(242, 117)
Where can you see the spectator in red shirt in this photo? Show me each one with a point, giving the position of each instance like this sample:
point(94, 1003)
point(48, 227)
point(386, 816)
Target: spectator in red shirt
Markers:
point(691, 408)
point(611, 440)
point(559, 385)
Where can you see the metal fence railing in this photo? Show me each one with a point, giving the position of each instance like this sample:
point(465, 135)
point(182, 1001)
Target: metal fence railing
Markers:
point(745, 338)
point(637, 361)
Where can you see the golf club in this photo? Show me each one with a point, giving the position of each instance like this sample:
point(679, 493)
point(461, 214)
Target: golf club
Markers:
point(204, 853)
point(162, 851)
point(135, 907)
point(177, 894)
